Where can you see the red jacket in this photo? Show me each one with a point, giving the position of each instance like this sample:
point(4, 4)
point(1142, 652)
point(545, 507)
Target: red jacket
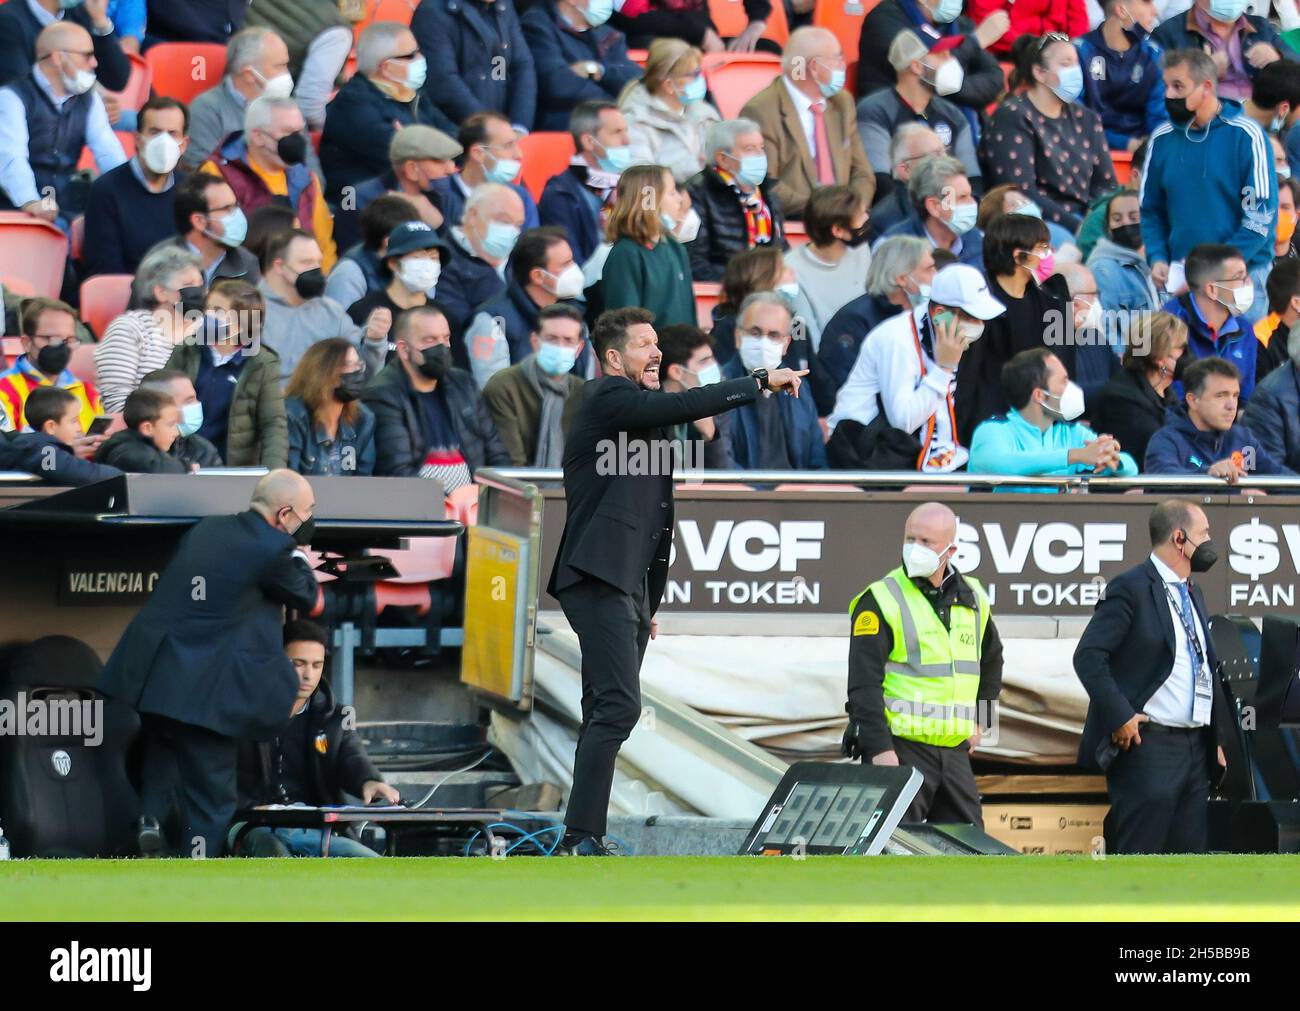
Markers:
point(1031, 17)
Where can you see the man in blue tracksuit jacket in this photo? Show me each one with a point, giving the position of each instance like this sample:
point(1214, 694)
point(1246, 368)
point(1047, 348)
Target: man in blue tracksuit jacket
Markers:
point(1123, 86)
point(1208, 177)
point(1202, 436)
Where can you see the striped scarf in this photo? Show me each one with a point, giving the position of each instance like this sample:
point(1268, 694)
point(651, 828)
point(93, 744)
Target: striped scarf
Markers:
point(758, 217)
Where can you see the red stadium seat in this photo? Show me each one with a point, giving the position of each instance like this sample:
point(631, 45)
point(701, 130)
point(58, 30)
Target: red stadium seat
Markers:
point(388, 594)
point(844, 18)
point(18, 286)
point(707, 295)
point(735, 78)
point(82, 364)
point(124, 137)
point(638, 56)
point(545, 155)
point(795, 233)
point(77, 236)
point(33, 250)
point(136, 92)
point(103, 298)
point(729, 18)
point(184, 70)
point(1123, 162)
point(12, 347)
point(389, 10)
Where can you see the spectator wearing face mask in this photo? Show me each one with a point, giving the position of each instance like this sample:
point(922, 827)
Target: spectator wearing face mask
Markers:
point(1043, 141)
point(209, 223)
point(169, 286)
point(924, 77)
point(762, 268)
point(667, 115)
point(1284, 230)
point(330, 431)
point(532, 401)
point(579, 198)
point(687, 363)
point(1039, 435)
point(361, 271)
point(1240, 44)
point(49, 116)
point(1121, 72)
point(772, 432)
point(1219, 293)
point(1133, 404)
point(579, 57)
point(898, 280)
point(1122, 273)
point(1283, 311)
point(944, 210)
point(895, 412)
point(318, 35)
point(257, 66)
point(144, 446)
point(1019, 263)
point(265, 164)
point(911, 144)
point(413, 259)
point(733, 197)
point(1006, 199)
point(381, 98)
point(542, 273)
point(491, 154)
point(48, 335)
point(1096, 357)
point(131, 208)
point(22, 23)
point(190, 448)
point(482, 244)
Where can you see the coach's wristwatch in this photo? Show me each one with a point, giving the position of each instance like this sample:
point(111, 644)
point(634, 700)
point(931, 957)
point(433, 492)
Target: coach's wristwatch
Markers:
point(761, 376)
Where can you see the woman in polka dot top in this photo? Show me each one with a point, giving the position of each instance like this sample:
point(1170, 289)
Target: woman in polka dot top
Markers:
point(1043, 141)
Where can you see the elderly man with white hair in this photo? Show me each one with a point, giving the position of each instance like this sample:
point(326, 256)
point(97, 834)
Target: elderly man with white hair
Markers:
point(908, 147)
point(266, 163)
point(808, 123)
point(1095, 358)
point(257, 64)
point(733, 197)
point(381, 98)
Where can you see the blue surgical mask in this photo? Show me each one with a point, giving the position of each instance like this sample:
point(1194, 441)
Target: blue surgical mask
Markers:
point(500, 239)
point(503, 170)
point(191, 418)
point(963, 217)
point(694, 91)
point(1227, 10)
point(598, 12)
point(417, 72)
point(1284, 171)
point(947, 11)
point(790, 291)
point(555, 359)
point(753, 169)
point(834, 85)
point(234, 228)
point(615, 159)
point(666, 220)
point(1070, 85)
point(1029, 210)
point(709, 375)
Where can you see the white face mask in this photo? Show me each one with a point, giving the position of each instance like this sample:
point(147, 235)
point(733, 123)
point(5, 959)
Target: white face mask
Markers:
point(79, 83)
point(920, 562)
point(709, 375)
point(419, 273)
point(971, 331)
point(1091, 319)
point(689, 228)
point(279, 86)
point(949, 78)
point(161, 153)
point(1241, 298)
point(568, 282)
point(761, 353)
point(1071, 402)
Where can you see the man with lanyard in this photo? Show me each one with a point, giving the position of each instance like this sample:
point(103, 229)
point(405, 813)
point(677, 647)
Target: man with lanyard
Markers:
point(925, 670)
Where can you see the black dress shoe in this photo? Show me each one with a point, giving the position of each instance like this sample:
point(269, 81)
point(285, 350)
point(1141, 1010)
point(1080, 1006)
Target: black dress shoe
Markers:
point(581, 845)
point(149, 839)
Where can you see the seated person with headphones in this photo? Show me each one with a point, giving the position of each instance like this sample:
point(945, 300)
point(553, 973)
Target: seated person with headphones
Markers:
point(316, 759)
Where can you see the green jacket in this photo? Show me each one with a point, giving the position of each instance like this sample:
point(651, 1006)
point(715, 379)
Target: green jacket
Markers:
point(517, 407)
point(257, 434)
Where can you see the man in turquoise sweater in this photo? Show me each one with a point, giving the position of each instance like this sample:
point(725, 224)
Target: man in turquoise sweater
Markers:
point(1039, 436)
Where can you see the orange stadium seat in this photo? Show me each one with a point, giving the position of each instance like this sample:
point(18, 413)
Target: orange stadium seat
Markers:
point(735, 78)
point(389, 10)
point(844, 18)
point(136, 92)
point(124, 137)
point(77, 236)
point(12, 348)
point(34, 251)
point(545, 154)
point(185, 70)
point(1123, 162)
point(729, 17)
point(707, 295)
point(18, 286)
point(82, 364)
point(103, 298)
point(795, 233)
point(638, 56)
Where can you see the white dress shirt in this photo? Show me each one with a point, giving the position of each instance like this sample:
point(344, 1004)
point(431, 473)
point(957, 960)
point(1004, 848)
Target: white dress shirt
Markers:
point(803, 106)
point(1171, 705)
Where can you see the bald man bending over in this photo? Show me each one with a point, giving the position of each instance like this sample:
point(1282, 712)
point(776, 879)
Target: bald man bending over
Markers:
point(203, 661)
point(925, 669)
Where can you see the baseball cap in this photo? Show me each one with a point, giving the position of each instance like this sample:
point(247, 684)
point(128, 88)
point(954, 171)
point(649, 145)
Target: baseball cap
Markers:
point(963, 287)
point(410, 236)
point(417, 142)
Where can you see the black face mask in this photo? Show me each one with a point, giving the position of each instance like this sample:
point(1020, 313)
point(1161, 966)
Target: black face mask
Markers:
point(859, 235)
point(292, 149)
point(350, 386)
point(310, 283)
point(302, 536)
point(1179, 114)
point(53, 358)
point(192, 299)
point(1204, 557)
point(1128, 236)
point(435, 361)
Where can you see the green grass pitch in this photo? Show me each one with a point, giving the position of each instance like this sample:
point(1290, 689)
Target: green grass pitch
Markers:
point(658, 888)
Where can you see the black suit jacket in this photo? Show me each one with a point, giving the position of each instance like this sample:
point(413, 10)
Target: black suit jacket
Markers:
point(217, 661)
point(1126, 654)
point(619, 526)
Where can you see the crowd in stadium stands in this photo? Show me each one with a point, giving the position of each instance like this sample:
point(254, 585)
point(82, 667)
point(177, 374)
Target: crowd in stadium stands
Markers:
point(1019, 239)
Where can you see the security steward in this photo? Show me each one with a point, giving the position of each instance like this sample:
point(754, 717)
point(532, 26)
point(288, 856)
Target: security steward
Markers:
point(924, 654)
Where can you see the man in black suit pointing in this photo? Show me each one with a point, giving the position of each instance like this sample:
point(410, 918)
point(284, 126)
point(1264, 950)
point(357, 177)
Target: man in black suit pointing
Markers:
point(203, 662)
point(612, 564)
point(1148, 665)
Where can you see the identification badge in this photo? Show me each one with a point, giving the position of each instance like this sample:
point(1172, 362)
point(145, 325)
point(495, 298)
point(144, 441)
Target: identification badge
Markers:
point(1204, 699)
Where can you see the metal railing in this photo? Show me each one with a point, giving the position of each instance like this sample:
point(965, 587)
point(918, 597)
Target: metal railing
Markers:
point(896, 479)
